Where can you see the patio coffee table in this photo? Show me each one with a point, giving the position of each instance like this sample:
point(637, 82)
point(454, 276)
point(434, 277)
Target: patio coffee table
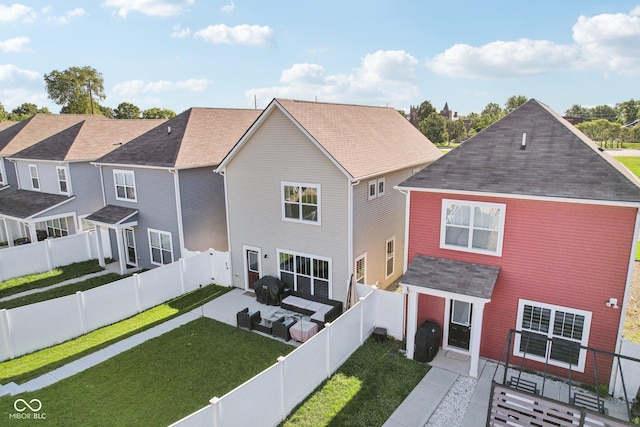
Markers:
point(303, 330)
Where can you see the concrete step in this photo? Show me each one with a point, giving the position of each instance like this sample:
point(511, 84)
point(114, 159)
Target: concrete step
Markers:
point(10, 389)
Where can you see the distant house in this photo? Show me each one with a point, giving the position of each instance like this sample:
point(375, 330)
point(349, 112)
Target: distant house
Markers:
point(525, 226)
point(56, 186)
point(161, 196)
point(310, 195)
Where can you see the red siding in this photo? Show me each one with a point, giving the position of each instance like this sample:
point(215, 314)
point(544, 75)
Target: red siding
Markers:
point(571, 255)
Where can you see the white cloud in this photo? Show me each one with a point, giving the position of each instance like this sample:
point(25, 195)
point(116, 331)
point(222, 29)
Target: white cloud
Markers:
point(610, 42)
point(162, 8)
point(9, 73)
point(17, 44)
point(384, 77)
point(69, 15)
point(251, 35)
point(135, 88)
point(179, 32)
point(228, 8)
point(502, 59)
point(16, 12)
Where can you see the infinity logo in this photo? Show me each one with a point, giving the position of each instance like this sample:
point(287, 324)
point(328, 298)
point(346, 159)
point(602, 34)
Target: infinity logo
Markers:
point(21, 405)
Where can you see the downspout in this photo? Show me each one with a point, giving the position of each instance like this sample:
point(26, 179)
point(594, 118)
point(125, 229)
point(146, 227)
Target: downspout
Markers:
point(405, 262)
point(104, 197)
point(625, 301)
point(350, 228)
point(226, 210)
point(176, 185)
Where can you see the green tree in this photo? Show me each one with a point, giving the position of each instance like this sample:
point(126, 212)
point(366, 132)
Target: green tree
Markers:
point(3, 113)
point(26, 110)
point(76, 89)
point(603, 132)
point(514, 102)
point(577, 110)
point(424, 110)
point(158, 113)
point(491, 113)
point(434, 127)
point(492, 109)
point(604, 112)
point(126, 110)
point(628, 111)
point(455, 130)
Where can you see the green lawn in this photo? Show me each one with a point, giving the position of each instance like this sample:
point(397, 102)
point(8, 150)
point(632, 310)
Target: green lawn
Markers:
point(364, 391)
point(158, 382)
point(42, 280)
point(35, 364)
point(632, 163)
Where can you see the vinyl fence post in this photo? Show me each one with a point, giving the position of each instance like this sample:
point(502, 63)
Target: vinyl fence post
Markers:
point(6, 333)
point(136, 286)
point(361, 300)
point(183, 269)
point(215, 405)
point(48, 253)
point(281, 361)
point(329, 328)
point(81, 311)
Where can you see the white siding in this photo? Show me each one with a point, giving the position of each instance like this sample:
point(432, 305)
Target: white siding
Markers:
point(277, 152)
point(377, 220)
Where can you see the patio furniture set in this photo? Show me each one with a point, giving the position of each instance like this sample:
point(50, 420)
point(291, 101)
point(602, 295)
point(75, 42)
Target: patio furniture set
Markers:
point(306, 314)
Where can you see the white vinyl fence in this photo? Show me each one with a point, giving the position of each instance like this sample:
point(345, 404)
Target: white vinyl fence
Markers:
point(289, 381)
point(36, 326)
point(48, 254)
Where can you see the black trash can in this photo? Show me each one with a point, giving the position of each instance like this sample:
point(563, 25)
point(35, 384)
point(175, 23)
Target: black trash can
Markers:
point(427, 341)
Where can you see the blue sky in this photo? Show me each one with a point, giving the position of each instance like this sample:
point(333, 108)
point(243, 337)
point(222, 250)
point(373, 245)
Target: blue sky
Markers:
point(178, 54)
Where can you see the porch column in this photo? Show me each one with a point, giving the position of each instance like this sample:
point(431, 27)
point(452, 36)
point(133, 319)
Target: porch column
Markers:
point(476, 337)
point(121, 256)
point(412, 320)
point(32, 232)
point(8, 232)
point(98, 240)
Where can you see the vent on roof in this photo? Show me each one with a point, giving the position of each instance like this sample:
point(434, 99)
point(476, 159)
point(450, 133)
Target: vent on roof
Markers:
point(523, 145)
point(168, 130)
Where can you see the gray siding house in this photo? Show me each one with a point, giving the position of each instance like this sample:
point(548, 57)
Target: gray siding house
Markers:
point(162, 199)
point(56, 186)
point(310, 195)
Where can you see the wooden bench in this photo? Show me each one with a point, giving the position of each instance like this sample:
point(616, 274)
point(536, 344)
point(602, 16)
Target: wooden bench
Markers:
point(590, 402)
point(523, 385)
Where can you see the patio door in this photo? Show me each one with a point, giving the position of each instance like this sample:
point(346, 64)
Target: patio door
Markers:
point(130, 247)
point(252, 266)
point(460, 324)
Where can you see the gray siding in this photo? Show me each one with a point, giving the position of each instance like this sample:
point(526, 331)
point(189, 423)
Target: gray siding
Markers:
point(278, 152)
point(377, 220)
point(11, 177)
point(156, 205)
point(47, 175)
point(204, 215)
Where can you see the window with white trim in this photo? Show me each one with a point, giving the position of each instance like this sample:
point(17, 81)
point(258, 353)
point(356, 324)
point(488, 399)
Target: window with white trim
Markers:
point(125, 184)
point(35, 179)
point(301, 202)
point(57, 227)
point(305, 273)
point(390, 256)
point(361, 269)
point(472, 226)
point(2, 174)
point(377, 188)
point(63, 186)
point(161, 247)
point(552, 333)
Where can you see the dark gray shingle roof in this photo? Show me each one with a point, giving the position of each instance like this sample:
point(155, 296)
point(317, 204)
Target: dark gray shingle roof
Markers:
point(465, 278)
point(54, 147)
point(559, 161)
point(25, 204)
point(112, 214)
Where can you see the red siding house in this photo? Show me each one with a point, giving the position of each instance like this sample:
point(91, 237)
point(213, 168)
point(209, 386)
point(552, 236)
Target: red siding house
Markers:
point(526, 226)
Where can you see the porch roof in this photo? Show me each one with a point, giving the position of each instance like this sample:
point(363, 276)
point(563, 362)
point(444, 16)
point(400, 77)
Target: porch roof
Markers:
point(457, 277)
point(25, 204)
point(113, 215)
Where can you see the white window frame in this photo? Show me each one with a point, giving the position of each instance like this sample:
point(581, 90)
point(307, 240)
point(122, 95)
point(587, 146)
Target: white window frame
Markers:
point(3, 175)
point(60, 181)
point(387, 258)
point(34, 177)
point(300, 218)
point(360, 278)
point(57, 226)
point(297, 274)
point(586, 330)
point(374, 188)
point(160, 248)
point(117, 172)
point(472, 205)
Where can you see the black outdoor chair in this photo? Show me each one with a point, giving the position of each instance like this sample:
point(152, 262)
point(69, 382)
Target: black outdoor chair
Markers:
point(247, 319)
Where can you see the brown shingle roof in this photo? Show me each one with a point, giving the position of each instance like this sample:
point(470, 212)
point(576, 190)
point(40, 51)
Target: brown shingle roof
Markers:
point(558, 161)
point(198, 137)
point(364, 140)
